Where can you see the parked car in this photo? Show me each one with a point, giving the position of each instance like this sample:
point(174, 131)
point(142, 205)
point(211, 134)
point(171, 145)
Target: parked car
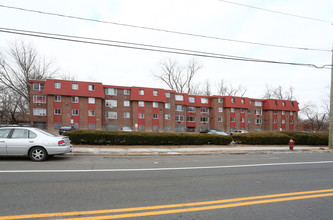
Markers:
point(240, 132)
point(126, 129)
point(32, 142)
point(217, 132)
point(64, 129)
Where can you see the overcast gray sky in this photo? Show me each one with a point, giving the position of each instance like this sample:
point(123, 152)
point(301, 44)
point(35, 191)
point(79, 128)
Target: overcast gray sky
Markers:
point(214, 18)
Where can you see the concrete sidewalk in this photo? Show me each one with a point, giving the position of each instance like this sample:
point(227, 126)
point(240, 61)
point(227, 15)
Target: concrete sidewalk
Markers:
point(189, 150)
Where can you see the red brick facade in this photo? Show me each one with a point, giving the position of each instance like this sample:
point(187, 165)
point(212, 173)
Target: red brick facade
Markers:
point(90, 105)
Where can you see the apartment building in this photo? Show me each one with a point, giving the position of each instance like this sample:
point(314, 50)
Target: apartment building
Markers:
point(90, 105)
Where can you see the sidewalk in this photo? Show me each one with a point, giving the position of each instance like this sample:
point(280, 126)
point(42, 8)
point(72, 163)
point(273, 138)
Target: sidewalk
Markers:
point(89, 150)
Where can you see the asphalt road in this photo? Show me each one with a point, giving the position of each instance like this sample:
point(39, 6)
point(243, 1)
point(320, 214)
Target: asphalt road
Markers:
point(247, 186)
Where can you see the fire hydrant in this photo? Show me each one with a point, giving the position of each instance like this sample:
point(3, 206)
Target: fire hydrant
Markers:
point(291, 144)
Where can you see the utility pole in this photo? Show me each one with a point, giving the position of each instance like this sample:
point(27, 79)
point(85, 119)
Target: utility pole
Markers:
point(330, 138)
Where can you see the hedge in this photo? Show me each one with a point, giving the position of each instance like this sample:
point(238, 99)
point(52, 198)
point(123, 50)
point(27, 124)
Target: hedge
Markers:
point(281, 138)
point(96, 137)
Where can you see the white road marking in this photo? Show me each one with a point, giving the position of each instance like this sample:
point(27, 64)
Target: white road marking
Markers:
point(165, 169)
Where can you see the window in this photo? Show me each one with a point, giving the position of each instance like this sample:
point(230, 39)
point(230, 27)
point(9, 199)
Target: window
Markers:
point(191, 99)
point(204, 110)
point(232, 119)
point(75, 112)
point(111, 115)
point(141, 127)
point(258, 112)
point(249, 111)
point(110, 91)
point(92, 126)
point(155, 116)
point(167, 116)
point(291, 113)
point(242, 110)
point(232, 100)
point(291, 121)
point(57, 85)
point(39, 99)
point(155, 128)
point(167, 128)
point(243, 101)
point(127, 92)
point(141, 92)
point(39, 111)
point(190, 109)
point(283, 112)
point(180, 129)
point(232, 109)
point(126, 103)
point(167, 105)
point(91, 112)
point(257, 103)
point(155, 104)
point(167, 94)
point(91, 100)
point(57, 111)
point(220, 100)
point(275, 103)
point(179, 98)
point(274, 112)
point(141, 115)
point(283, 103)
point(111, 127)
point(91, 87)
point(292, 104)
point(242, 120)
point(220, 109)
point(179, 108)
point(38, 86)
point(57, 125)
point(111, 103)
point(283, 121)
point(75, 99)
point(191, 119)
point(127, 115)
point(155, 93)
point(204, 119)
point(141, 104)
point(274, 121)
point(75, 86)
point(258, 121)
point(4, 133)
point(179, 118)
point(57, 98)
point(219, 119)
point(204, 100)
point(249, 120)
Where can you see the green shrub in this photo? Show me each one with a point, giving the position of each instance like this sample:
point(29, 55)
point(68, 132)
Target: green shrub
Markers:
point(261, 138)
point(95, 137)
point(281, 138)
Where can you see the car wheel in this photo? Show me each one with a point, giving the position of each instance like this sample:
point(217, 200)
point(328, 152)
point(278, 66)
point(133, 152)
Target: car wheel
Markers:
point(38, 154)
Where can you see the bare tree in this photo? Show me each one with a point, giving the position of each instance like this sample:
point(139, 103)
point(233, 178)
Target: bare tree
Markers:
point(177, 77)
point(279, 93)
point(313, 116)
point(206, 89)
point(229, 90)
point(19, 64)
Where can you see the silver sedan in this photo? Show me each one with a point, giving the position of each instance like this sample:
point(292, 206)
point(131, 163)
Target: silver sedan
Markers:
point(32, 142)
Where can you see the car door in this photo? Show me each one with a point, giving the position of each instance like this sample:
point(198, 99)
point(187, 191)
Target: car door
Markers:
point(19, 142)
point(3, 140)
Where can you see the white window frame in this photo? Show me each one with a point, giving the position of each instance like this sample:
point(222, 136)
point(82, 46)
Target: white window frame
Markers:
point(155, 104)
point(127, 115)
point(75, 86)
point(179, 98)
point(91, 87)
point(39, 111)
point(167, 116)
point(167, 95)
point(141, 92)
point(167, 105)
point(57, 98)
point(91, 113)
point(141, 104)
point(57, 111)
point(179, 108)
point(155, 116)
point(179, 118)
point(39, 99)
point(75, 99)
point(155, 93)
point(220, 109)
point(204, 100)
point(75, 112)
point(127, 103)
point(141, 115)
point(111, 103)
point(57, 85)
point(191, 99)
point(91, 100)
point(127, 92)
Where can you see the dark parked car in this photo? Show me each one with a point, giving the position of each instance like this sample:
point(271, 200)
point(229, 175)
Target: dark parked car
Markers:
point(64, 129)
